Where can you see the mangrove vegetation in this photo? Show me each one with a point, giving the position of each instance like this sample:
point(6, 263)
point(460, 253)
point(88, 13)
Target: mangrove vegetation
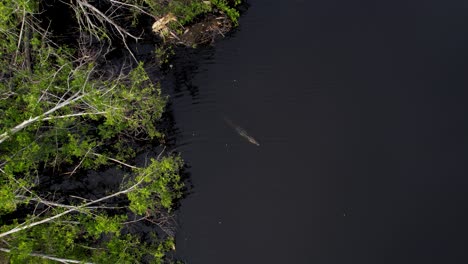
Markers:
point(75, 98)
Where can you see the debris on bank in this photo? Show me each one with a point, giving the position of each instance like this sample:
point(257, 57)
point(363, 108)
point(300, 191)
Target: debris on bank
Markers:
point(203, 29)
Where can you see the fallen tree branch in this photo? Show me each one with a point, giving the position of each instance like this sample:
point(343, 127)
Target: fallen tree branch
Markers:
point(101, 17)
point(73, 115)
point(114, 160)
point(63, 260)
point(106, 18)
point(28, 122)
point(20, 39)
point(132, 6)
point(77, 208)
point(54, 204)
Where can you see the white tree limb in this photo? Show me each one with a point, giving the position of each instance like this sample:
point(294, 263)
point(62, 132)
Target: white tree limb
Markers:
point(63, 260)
point(103, 17)
point(115, 160)
point(77, 208)
point(132, 6)
point(73, 115)
point(28, 122)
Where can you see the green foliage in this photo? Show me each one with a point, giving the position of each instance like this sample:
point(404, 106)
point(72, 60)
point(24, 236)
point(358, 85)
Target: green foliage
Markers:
point(7, 198)
point(231, 12)
point(187, 12)
point(128, 249)
point(162, 182)
point(67, 239)
point(103, 224)
point(61, 115)
point(163, 54)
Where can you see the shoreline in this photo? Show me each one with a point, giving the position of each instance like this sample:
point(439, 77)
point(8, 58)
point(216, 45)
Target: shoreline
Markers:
point(79, 111)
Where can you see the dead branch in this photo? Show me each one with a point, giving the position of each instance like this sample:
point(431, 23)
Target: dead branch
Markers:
point(30, 121)
point(93, 20)
point(24, 226)
point(73, 115)
point(117, 161)
point(40, 200)
point(132, 6)
point(62, 260)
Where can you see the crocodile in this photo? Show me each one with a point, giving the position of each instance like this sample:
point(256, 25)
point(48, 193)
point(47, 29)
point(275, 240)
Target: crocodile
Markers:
point(241, 132)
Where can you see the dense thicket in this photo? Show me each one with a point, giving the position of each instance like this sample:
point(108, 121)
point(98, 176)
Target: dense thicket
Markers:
point(65, 111)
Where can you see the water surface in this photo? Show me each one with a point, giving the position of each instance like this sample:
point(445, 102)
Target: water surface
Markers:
point(360, 111)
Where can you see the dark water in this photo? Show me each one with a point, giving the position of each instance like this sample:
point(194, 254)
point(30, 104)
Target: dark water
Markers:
point(360, 108)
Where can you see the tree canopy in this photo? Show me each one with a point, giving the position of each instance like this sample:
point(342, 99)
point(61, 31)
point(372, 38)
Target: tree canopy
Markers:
point(64, 111)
